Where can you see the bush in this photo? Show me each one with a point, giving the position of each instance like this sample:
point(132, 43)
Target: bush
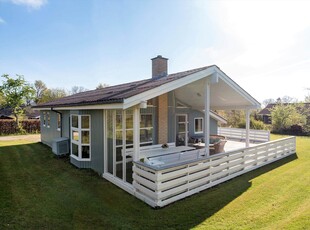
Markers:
point(8, 127)
point(254, 124)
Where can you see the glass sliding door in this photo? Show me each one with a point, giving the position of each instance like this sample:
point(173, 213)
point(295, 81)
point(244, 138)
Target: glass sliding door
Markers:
point(119, 124)
point(119, 138)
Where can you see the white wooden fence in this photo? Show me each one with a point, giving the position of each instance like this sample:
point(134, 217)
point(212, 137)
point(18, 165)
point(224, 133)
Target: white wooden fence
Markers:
point(159, 187)
point(240, 134)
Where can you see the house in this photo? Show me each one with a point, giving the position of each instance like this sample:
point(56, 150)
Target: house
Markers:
point(117, 130)
point(265, 113)
point(6, 113)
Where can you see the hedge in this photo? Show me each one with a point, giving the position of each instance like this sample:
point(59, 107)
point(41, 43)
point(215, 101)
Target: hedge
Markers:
point(9, 126)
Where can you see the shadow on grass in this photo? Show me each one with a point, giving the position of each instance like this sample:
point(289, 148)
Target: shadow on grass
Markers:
point(101, 202)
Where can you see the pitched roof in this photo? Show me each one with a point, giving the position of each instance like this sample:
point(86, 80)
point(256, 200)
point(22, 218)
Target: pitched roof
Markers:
point(266, 110)
point(116, 94)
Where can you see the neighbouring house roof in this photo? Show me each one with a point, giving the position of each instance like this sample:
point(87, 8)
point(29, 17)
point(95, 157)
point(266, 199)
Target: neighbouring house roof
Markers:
point(267, 110)
point(6, 113)
point(189, 86)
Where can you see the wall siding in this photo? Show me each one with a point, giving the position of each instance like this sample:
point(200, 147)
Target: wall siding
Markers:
point(48, 134)
point(191, 115)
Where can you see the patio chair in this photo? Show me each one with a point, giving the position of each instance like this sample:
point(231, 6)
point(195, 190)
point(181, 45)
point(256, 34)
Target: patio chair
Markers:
point(218, 147)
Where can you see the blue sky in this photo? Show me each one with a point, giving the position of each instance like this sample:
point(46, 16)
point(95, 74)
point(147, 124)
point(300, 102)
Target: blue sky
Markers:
point(262, 45)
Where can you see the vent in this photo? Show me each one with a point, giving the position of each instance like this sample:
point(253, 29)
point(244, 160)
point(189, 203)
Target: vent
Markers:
point(60, 146)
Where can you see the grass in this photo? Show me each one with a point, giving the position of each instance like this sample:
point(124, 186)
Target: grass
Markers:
point(38, 191)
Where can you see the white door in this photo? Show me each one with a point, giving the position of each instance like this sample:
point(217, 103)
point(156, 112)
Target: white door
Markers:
point(181, 129)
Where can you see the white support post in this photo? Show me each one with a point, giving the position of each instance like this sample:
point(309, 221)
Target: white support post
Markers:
point(136, 133)
point(124, 144)
point(207, 117)
point(105, 145)
point(247, 128)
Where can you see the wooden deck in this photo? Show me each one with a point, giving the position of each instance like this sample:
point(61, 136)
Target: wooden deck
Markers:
point(164, 184)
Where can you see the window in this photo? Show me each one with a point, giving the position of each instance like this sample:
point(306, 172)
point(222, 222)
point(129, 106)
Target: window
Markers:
point(58, 121)
point(146, 128)
point(48, 118)
point(80, 137)
point(44, 119)
point(199, 125)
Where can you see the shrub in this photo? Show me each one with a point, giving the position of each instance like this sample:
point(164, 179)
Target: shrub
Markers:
point(8, 127)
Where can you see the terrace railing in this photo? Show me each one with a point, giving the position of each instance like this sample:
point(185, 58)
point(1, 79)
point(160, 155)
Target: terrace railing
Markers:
point(240, 134)
point(159, 186)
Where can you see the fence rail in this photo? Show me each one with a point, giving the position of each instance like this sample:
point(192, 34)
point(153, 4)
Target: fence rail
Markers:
point(159, 187)
point(240, 134)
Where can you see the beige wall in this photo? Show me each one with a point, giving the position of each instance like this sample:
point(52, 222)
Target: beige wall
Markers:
point(163, 119)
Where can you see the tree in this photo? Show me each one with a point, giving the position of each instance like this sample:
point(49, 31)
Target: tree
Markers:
point(307, 97)
point(269, 101)
point(288, 99)
point(77, 89)
point(16, 92)
point(53, 94)
point(284, 116)
point(101, 86)
point(1, 99)
point(40, 88)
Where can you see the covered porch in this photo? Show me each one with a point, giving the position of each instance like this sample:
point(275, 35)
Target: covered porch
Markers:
point(142, 154)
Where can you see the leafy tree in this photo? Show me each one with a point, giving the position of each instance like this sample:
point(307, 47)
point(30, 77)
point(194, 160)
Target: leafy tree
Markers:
point(102, 85)
point(16, 92)
point(77, 89)
point(307, 97)
point(286, 115)
point(40, 88)
point(53, 94)
point(1, 99)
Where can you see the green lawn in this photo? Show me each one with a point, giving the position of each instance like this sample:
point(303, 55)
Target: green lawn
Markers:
point(38, 191)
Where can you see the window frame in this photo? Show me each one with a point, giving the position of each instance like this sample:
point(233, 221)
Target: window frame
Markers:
point(79, 142)
point(48, 118)
point(59, 121)
point(149, 128)
point(195, 131)
point(44, 119)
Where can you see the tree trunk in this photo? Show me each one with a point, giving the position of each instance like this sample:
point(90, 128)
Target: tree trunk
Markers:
point(17, 122)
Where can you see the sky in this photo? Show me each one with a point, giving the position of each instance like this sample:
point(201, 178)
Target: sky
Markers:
point(263, 45)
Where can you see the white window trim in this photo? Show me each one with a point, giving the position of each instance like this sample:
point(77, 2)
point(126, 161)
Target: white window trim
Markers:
point(199, 132)
point(48, 120)
point(79, 143)
point(59, 127)
point(44, 119)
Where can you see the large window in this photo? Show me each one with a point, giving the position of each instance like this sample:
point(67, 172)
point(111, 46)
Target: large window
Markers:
point(198, 125)
point(80, 137)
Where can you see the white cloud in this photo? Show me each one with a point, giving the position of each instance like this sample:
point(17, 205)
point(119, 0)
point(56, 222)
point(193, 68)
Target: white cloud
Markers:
point(2, 21)
point(34, 4)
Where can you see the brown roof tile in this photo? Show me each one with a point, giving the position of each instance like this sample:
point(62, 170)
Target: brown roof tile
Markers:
point(117, 93)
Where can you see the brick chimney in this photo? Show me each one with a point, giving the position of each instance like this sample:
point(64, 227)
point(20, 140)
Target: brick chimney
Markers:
point(159, 67)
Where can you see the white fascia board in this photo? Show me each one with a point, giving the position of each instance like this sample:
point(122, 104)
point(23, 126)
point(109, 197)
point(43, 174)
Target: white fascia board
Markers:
point(217, 117)
point(237, 88)
point(165, 88)
point(236, 107)
point(86, 107)
point(40, 109)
